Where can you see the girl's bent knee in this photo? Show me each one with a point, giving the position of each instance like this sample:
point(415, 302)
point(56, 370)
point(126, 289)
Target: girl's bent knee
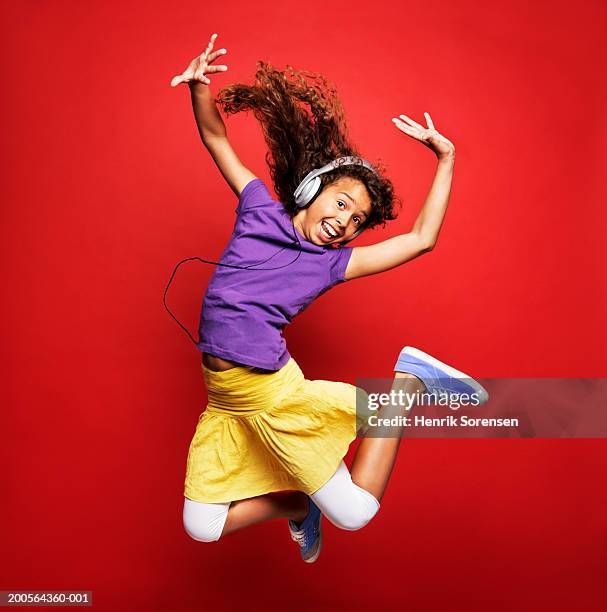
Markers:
point(352, 521)
point(356, 516)
point(201, 534)
point(344, 503)
point(204, 522)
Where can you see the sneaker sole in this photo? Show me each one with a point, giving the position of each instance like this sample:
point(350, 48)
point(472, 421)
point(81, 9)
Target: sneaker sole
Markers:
point(480, 390)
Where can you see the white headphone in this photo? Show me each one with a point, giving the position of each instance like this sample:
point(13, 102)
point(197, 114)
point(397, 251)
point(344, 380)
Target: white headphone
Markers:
point(308, 188)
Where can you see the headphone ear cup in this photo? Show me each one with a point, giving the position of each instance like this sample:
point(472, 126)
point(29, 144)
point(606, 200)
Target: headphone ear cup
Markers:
point(308, 191)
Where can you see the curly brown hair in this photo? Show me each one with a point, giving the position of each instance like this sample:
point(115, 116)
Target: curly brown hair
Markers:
point(304, 126)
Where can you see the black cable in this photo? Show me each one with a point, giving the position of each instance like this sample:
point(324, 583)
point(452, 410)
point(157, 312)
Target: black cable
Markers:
point(217, 263)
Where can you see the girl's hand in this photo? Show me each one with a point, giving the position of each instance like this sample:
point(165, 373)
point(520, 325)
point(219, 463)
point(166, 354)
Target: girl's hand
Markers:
point(427, 136)
point(200, 66)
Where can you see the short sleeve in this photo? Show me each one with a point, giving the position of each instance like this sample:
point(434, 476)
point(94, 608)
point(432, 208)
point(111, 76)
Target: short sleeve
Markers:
point(254, 194)
point(338, 262)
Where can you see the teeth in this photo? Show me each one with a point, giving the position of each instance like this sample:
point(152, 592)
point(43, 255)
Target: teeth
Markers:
point(328, 229)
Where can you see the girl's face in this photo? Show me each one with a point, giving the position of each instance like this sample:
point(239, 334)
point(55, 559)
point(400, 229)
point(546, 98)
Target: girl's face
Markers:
point(339, 211)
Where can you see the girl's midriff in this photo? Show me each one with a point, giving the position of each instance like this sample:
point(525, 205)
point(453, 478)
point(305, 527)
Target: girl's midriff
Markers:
point(216, 363)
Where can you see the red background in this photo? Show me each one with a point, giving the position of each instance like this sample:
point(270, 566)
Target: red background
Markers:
point(107, 186)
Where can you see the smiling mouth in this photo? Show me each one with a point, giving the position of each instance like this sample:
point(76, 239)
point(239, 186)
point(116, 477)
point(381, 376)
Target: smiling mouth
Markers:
point(328, 230)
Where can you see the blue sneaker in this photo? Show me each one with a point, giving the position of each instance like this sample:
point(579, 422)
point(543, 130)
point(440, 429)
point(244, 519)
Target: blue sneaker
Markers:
point(438, 377)
point(308, 534)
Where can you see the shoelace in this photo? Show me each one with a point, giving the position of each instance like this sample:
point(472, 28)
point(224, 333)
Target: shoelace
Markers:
point(299, 537)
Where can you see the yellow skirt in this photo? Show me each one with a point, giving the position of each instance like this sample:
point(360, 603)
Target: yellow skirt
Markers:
point(264, 432)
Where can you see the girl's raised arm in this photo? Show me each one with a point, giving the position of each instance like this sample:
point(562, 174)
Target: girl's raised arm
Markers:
point(395, 251)
point(211, 127)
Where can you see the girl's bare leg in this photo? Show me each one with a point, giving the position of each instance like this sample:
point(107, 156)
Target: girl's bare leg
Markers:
point(284, 504)
point(375, 457)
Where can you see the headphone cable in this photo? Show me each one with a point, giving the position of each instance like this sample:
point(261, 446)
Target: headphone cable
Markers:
point(217, 263)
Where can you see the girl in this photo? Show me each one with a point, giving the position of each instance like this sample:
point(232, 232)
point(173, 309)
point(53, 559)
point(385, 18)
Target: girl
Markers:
point(270, 442)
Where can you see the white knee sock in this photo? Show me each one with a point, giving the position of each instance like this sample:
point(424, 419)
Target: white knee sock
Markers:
point(204, 522)
point(344, 503)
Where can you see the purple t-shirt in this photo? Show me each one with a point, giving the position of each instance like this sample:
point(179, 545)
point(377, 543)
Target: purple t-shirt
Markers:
point(244, 311)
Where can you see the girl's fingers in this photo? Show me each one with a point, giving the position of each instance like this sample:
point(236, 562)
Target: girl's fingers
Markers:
point(429, 137)
point(401, 124)
point(215, 55)
point(419, 134)
point(211, 43)
point(176, 80)
point(200, 65)
point(200, 76)
point(411, 122)
point(411, 131)
point(203, 56)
